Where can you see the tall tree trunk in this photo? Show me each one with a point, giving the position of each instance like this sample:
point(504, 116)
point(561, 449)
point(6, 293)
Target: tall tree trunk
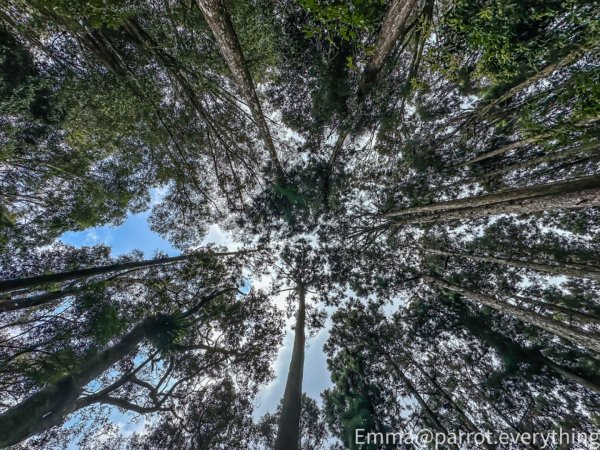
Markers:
point(14, 304)
point(412, 390)
point(570, 269)
point(216, 15)
point(579, 151)
point(577, 336)
point(49, 406)
point(570, 58)
point(579, 193)
point(508, 346)
point(393, 26)
point(582, 317)
point(500, 150)
point(288, 432)
point(461, 413)
point(31, 282)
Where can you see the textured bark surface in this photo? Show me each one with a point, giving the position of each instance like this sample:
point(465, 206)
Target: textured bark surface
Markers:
point(580, 151)
point(575, 335)
point(570, 269)
point(288, 432)
point(22, 283)
point(50, 406)
point(570, 58)
point(216, 15)
point(500, 151)
point(393, 26)
point(579, 193)
point(11, 304)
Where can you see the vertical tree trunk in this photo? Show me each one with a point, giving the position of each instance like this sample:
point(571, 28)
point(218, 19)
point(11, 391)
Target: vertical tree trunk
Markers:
point(288, 432)
point(577, 336)
point(579, 193)
point(49, 406)
point(216, 15)
point(570, 269)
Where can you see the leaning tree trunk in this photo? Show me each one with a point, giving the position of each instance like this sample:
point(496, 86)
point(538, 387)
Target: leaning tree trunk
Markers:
point(412, 390)
point(49, 406)
point(579, 193)
point(15, 304)
point(31, 282)
point(569, 269)
point(393, 26)
point(216, 15)
point(288, 432)
point(461, 413)
point(577, 336)
point(508, 346)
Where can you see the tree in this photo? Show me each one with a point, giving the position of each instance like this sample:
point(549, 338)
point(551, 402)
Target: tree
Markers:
point(187, 332)
point(303, 270)
point(426, 171)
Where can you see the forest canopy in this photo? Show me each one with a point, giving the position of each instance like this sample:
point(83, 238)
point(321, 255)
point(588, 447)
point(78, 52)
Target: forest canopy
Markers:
point(416, 180)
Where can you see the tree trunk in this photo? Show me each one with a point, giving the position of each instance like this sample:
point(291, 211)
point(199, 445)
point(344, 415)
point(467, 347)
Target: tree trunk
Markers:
point(570, 58)
point(572, 313)
point(580, 150)
point(505, 345)
point(288, 432)
point(579, 193)
point(216, 15)
point(31, 282)
point(464, 417)
point(49, 406)
point(500, 150)
point(393, 26)
point(577, 336)
point(569, 269)
point(12, 304)
point(410, 387)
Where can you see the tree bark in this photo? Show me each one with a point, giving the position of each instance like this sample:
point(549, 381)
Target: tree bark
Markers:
point(288, 432)
point(579, 193)
point(216, 15)
point(577, 336)
point(547, 158)
point(31, 282)
point(49, 406)
point(504, 344)
point(501, 150)
point(569, 269)
point(393, 26)
point(570, 58)
point(14, 304)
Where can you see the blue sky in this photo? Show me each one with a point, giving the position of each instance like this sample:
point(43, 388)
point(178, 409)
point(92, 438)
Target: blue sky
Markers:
point(135, 233)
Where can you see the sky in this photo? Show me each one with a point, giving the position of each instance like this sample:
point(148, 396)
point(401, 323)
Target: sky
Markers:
point(135, 233)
